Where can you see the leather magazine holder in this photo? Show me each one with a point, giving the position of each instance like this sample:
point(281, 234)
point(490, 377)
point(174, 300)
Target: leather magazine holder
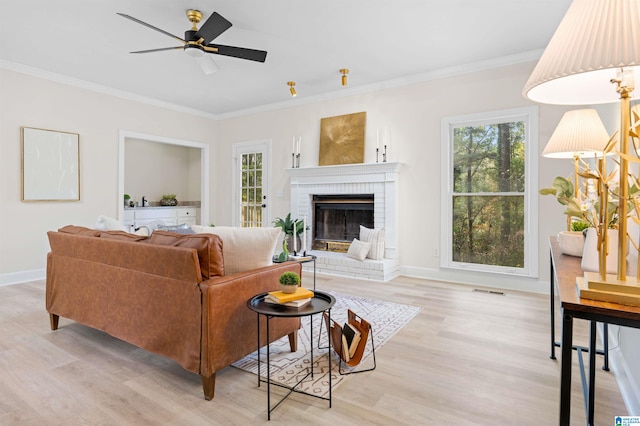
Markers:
point(335, 331)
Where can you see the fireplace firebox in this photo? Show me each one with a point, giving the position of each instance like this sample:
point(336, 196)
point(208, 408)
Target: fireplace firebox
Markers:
point(337, 220)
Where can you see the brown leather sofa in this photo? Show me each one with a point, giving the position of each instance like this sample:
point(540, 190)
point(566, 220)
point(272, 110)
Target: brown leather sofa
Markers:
point(167, 294)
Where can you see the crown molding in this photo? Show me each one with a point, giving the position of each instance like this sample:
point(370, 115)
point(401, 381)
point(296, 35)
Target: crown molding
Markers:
point(82, 84)
point(438, 74)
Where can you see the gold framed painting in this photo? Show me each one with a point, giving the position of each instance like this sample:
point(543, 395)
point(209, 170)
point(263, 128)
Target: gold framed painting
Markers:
point(342, 139)
point(50, 165)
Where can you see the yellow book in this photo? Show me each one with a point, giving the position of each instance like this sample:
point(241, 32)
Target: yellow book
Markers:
point(281, 297)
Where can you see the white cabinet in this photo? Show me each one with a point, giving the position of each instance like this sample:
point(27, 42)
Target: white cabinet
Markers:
point(136, 217)
point(187, 215)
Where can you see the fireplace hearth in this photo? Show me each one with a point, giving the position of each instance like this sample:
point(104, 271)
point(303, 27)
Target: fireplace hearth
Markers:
point(337, 220)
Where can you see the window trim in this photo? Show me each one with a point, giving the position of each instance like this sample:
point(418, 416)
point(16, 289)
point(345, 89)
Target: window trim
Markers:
point(530, 116)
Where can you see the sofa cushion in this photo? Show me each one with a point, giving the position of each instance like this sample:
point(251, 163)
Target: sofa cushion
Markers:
point(208, 246)
point(121, 235)
point(82, 230)
point(244, 249)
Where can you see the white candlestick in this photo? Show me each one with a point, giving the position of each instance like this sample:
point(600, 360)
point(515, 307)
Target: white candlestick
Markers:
point(377, 138)
point(293, 147)
point(299, 143)
point(304, 234)
point(295, 236)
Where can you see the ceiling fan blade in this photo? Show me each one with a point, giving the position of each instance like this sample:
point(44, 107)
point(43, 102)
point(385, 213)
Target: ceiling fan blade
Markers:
point(159, 50)
point(150, 26)
point(207, 64)
point(238, 52)
point(213, 27)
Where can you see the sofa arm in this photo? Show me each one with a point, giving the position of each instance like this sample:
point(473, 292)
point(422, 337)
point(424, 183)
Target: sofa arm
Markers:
point(229, 327)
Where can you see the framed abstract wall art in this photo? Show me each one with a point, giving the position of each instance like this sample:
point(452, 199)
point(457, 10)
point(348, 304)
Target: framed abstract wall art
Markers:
point(50, 165)
point(342, 139)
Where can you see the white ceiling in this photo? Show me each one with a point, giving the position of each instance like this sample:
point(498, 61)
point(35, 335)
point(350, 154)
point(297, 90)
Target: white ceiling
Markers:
point(382, 42)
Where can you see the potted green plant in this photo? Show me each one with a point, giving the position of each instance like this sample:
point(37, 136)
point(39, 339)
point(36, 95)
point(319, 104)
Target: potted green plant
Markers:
point(289, 282)
point(168, 200)
point(127, 197)
point(287, 225)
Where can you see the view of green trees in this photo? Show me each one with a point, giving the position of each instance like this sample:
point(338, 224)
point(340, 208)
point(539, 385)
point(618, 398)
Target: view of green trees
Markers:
point(251, 190)
point(488, 199)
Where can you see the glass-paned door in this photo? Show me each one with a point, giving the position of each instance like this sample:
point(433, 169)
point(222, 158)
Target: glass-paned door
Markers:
point(251, 183)
point(251, 210)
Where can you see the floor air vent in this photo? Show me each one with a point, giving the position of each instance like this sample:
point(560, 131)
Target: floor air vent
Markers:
point(478, 290)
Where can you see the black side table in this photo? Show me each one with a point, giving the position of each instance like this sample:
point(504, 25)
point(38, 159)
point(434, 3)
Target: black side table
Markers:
point(321, 302)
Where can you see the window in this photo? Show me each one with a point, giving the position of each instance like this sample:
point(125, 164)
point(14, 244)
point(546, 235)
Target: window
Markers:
point(489, 198)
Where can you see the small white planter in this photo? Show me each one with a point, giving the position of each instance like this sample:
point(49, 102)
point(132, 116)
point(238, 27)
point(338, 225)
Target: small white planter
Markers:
point(571, 243)
point(590, 253)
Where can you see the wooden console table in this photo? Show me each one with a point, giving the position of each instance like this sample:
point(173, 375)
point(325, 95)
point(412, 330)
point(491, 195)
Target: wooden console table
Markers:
point(564, 270)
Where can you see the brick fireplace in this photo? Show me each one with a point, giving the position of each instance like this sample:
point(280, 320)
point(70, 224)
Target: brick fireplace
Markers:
point(379, 180)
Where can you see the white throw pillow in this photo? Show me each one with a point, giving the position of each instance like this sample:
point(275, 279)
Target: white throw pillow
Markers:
point(358, 249)
point(107, 223)
point(244, 249)
point(376, 238)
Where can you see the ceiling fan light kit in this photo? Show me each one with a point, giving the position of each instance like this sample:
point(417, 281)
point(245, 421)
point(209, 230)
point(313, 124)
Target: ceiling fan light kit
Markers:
point(197, 42)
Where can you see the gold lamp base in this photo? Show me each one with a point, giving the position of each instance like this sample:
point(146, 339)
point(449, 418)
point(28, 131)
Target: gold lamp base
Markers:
point(611, 289)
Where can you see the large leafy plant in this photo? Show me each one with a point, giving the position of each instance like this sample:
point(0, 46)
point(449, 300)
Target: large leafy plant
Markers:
point(583, 210)
point(287, 225)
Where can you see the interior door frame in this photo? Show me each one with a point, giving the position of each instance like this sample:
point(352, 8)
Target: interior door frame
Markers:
point(239, 148)
point(123, 135)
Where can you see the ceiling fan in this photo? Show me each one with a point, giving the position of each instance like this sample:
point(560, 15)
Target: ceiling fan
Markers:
point(197, 42)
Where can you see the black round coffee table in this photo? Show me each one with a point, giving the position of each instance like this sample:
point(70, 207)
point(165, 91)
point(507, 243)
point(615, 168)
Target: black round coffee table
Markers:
point(320, 302)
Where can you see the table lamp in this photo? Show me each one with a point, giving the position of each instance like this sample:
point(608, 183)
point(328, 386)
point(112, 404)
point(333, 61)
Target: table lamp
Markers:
point(594, 57)
point(579, 134)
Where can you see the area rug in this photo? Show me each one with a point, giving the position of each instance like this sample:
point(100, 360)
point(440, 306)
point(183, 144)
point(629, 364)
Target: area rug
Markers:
point(287, 368)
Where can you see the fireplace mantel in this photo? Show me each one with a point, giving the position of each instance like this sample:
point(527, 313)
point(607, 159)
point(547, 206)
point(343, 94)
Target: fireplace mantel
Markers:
point(379, 179)
point(358, 170)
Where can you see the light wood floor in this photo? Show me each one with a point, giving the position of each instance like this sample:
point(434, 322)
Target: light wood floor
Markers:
point(467, 358)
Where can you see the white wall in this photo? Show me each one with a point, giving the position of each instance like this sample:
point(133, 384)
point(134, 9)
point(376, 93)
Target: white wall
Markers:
point(412, 115)
point(33, 102)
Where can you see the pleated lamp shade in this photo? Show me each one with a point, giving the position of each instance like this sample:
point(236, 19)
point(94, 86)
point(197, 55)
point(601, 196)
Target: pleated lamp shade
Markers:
point(594, 40)
point(579, 133)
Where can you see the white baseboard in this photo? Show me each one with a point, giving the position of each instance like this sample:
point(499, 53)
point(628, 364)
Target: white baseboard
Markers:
point(478, 279)
point(629, 389)
point(22, 277)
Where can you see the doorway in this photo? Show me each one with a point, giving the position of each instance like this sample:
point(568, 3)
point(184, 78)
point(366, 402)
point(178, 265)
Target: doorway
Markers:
point(125, 135)
point(251, 176)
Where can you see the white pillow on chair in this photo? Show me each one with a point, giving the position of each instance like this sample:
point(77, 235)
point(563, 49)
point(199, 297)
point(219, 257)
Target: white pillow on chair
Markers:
point(376, 238)
point(358, 249)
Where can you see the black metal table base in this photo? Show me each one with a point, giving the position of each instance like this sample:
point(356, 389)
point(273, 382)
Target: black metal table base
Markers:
point(554, 344)
point(291, 389)
point(320, 302)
